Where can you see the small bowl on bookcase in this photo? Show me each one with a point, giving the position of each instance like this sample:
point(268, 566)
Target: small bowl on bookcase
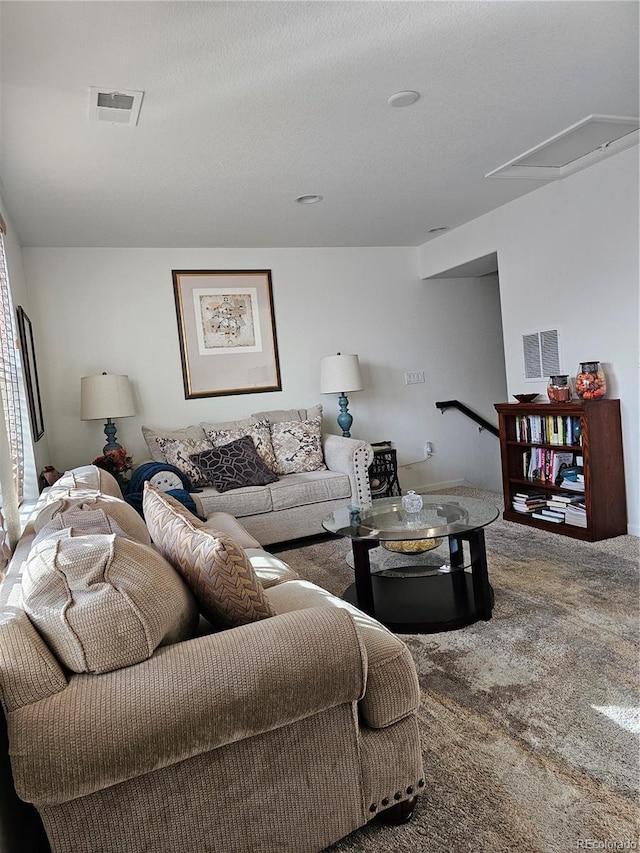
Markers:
point(526, 398)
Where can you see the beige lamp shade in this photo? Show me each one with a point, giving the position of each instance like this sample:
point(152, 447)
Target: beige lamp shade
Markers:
point(340, 373)
point(106, 395)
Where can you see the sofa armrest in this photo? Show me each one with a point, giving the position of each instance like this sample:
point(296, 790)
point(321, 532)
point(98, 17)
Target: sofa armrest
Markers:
point(393, 691)
point(29, 671)
point(350, 456)
point(187, 699)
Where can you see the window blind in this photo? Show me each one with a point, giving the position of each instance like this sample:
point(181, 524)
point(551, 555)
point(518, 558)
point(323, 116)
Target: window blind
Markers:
point(11, 424)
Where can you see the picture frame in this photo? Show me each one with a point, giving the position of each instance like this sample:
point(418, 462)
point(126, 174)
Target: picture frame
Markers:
point(30, 370)
point(227, 332)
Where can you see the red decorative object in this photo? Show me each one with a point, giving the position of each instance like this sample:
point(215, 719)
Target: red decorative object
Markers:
point(591, 382)
point(114, 461)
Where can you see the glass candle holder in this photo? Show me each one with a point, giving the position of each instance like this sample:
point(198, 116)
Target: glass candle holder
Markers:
point(559, 389)
point(591, 382)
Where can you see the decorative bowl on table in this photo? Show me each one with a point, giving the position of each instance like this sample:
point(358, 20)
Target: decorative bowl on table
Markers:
point(526, 398)
point(412, 546)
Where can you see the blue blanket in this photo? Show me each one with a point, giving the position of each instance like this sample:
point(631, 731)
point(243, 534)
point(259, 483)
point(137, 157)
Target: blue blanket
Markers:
point(146, 471)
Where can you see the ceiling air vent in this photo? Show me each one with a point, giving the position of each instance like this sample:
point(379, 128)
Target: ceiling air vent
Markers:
point(581, 145)
point(115, 106)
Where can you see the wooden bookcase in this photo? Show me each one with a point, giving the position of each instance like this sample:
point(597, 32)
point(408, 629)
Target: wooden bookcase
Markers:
point(600, 445)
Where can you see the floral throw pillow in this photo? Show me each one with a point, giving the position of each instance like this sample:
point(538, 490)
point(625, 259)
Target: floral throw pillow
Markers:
point(298, 446)
point(177, 452)
point(234, 465)
point(259, 432)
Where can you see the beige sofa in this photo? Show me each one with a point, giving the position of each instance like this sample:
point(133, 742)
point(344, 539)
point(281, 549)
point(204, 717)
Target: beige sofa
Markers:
point(295, 505)
point(281, 734)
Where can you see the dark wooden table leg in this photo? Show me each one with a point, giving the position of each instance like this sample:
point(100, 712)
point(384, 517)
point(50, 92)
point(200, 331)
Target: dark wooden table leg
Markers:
point(481, 587)
point(362, 569)
point(455, 551)
point(458, 580)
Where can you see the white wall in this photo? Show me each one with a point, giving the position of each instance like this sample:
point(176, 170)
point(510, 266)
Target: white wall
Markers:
point(113, 310)
point(568, 259)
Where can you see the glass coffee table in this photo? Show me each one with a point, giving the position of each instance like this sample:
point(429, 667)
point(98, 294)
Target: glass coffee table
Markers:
point(428, 571)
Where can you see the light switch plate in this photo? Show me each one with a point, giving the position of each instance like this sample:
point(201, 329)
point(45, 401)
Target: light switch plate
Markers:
point(413, 377)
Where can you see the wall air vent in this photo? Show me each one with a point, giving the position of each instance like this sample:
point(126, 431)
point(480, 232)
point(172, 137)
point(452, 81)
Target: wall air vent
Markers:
point(581, 145)
point(114, 106)
point(541, 354)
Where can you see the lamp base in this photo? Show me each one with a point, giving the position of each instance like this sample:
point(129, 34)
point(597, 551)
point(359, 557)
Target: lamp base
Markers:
point(110, 432)
point(345, 419)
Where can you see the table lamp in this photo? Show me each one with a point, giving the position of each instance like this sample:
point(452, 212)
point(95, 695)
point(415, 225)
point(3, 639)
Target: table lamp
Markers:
point(340, 374)
point(106, 395)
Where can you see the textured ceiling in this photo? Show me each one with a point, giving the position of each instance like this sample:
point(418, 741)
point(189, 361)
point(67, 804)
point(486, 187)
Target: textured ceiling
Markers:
point(250, 104)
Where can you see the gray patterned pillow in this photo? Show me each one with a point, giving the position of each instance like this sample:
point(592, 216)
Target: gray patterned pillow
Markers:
point(259, 432)
point(177, 452)
point(298, 446)
point(233, 465)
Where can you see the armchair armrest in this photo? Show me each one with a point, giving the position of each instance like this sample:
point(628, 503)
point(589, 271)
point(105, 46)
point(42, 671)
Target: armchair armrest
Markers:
point(187, 699)
point(353, 457)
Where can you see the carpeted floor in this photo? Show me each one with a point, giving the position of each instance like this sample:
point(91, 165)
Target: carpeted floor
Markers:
point(529, 721)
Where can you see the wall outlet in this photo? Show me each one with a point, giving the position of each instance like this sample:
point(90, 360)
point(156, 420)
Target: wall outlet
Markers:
point(428, 449)
point(413, 377)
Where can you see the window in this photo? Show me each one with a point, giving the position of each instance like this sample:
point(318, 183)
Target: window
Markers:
point(12, 456)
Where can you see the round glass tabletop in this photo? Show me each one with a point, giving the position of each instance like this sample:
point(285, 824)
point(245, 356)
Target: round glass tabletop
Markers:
point(386, 520)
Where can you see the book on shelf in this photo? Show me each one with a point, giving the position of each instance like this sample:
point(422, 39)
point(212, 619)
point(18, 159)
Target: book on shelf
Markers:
point(548, 429)
point(573, 486)
point(566, 499)
point(553, 513)
point(576, 514)
point(521, 498)
point(527, 503)
point(542, 463)
point(554, 519)
point(559, 461)
point(526, 510)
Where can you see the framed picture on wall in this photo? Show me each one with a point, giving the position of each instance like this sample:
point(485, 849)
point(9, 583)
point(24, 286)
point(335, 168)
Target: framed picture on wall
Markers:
point(227, 332)
point(30, 368)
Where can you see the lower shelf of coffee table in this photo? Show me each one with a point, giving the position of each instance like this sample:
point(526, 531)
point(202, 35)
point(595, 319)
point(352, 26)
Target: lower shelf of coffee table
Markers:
point(424, 604)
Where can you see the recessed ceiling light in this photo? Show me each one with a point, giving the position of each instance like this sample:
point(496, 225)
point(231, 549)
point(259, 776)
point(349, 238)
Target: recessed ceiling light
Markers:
point(439, 229)
point(309, 199)
point(403, 99)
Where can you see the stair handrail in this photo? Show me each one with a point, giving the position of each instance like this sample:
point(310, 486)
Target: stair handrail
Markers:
point(456, 404)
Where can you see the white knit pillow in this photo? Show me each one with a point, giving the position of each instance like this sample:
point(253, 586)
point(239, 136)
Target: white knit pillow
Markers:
point(87, 477)
point(68, 505)
point(104, 602)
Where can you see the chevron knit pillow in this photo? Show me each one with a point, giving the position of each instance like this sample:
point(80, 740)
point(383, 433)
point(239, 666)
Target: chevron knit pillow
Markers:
point(215, 567)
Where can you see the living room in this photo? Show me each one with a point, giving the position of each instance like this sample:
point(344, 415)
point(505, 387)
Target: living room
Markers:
point(560, 247)
point(553, 254)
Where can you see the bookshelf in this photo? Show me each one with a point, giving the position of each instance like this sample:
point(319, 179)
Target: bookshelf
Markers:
point(590, 429)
